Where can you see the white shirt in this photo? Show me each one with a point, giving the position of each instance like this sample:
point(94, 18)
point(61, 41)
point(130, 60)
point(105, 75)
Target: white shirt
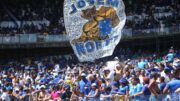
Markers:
point(5, 96)
point(39, 66)
point(167, 79)
point(104, 97)
point(111, 76)
point(56, 67)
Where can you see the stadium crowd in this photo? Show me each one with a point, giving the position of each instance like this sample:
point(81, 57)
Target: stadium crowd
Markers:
point(141, 14)
point(129, 76)
point(27, 11)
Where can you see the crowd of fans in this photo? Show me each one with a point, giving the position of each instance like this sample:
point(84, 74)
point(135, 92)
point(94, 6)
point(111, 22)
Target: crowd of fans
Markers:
point(51, 29)
point(141, 14)
point(39, 10)
point(146, 14)
point(144, 77)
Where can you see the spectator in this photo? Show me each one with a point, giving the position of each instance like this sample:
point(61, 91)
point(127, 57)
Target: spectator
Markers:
point(84, 85)
point(43, 95)
point(154, 88)
point(78, 81)
point(173, 85)
point(145, 92)
point(5, 95)
point(67, 94)
point(94, 93)
point(135, 87)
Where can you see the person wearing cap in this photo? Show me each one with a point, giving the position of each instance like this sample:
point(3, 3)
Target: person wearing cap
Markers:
point(123, 89)
point(84, 85)
point(94, 94)
point(114, 87)
point(43, 95)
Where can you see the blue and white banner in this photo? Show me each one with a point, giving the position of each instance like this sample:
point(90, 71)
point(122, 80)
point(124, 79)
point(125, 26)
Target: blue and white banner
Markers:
point(94, 26)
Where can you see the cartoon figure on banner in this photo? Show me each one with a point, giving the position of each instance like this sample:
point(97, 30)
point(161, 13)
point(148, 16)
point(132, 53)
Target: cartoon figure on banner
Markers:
point(100, 23)
point(94, 26)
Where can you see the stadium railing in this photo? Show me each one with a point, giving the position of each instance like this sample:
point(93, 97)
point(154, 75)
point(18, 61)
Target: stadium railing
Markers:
point(160, 97)
point(133, 33)
point(126, 34)
point(32, 38)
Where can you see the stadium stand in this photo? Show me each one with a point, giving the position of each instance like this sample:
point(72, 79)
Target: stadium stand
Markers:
point(45, 16)
point(133, 73)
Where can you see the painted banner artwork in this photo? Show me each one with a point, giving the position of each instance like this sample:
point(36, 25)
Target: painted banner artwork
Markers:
point(94, 26)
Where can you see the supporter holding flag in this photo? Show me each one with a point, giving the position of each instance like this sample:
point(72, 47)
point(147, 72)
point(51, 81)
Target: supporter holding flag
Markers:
point(108, 75)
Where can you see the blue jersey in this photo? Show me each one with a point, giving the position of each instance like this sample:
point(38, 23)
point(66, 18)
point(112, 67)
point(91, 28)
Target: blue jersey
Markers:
point(170, 57)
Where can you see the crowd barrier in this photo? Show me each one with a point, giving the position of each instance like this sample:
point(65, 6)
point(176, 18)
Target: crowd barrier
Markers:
point(32, 38)
point(133, 33)
point(11, 24)
point(163, 97)
point(160, 97)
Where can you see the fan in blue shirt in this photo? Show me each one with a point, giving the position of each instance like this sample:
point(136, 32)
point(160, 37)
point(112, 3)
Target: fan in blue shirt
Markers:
point(173, 85)
point(135, 87)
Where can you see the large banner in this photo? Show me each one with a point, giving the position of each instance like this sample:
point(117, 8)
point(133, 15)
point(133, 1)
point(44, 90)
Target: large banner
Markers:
point(94, 26)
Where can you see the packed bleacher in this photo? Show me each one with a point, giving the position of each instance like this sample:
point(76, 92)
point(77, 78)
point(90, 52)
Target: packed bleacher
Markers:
point(152, 13)
point(46, 16)
point(40, 16)
point(126, 76)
